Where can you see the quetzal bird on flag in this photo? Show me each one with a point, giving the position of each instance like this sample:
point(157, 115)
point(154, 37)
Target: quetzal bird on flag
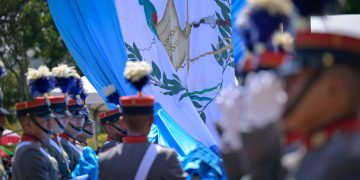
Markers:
point(150, 14)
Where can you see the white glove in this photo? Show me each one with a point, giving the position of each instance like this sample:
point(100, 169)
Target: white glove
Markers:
point(231, 104)
point(246, 108)
point(265, 99)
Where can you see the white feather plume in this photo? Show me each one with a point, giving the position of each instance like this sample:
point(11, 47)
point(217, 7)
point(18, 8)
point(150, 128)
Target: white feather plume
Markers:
point(134, 71)
point(33, 74)
point(62, 70)
point(274, 6)
point(109, 90)
point(283, 39)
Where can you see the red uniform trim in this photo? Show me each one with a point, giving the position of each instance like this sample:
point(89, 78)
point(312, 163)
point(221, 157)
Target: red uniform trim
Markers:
point(328, 41)
point(54, 99)
point(267, 60)
point(68, 138)
point(137, 101)
point(74, 102)
point(57, 99)
point(30, 104)
point(109, 113)
point(347, 126)
point(27, 137)
point(135, 139)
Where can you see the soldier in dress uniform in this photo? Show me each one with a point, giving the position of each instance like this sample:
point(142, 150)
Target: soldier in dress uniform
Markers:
point(72, 129)
point(144, 160)
point(31, 160)
point(88, 162)
point(322, 84)
point(55, 149)
point(264, 28)
point(88, 129)
point(116, 132)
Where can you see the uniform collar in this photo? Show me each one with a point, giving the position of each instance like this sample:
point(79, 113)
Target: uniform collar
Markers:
point(31, 138)
point(54, 137)
point(68, 137)
point(316, 139)
point(136, 139)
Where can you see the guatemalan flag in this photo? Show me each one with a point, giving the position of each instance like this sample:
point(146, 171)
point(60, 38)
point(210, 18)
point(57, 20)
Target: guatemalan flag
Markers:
point(187, 43)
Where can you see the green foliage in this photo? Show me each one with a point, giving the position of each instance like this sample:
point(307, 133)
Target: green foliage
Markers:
point(352, 7)
point(100, 139)
point(11, 94)
point(28, 37)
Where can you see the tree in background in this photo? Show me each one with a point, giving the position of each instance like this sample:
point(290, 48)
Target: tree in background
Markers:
point(28, 38)
point(352, 7)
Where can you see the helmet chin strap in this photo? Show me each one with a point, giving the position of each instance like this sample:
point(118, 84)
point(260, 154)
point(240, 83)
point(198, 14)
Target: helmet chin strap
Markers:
point(309, 83)
point(40, 126)
point(117, 139)
point(119, 129)
point(61, 126)
point(77, 129)
point(87, 132)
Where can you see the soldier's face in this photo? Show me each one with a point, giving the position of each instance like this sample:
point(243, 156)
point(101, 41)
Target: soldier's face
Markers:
point(45, 122)
point(78, 121)
point(115, 132)
point(89, 127)
point(62, 120)
point(309, 111)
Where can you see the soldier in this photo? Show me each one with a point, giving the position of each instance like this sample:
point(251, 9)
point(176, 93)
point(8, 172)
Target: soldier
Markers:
point(88, 163)
point(72, 129)
point(323, 84)
point(59, 109)
point(263, 27)
point(111, 122)
point(30, 158)
point(144, 160)
point(88, 130)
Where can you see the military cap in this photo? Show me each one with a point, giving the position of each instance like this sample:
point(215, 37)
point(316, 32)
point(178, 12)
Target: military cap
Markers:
point(38, 107)
point(137, 105)
point(322, 50)
point(76, 107)
point(58, 104)
point(110, 116)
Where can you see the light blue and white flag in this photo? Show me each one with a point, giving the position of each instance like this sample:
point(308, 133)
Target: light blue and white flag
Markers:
point(239, 48)
point(189, 48)
point(191, 61)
